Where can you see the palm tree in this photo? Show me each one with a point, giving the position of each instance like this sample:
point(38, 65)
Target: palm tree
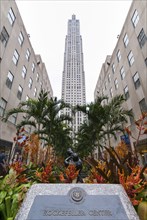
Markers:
point(103, 121)
point(91, 132)
point(34, 111)
point(62, 139)
point(85, 141)
point(45, 117)
point(116, 116)
point(55, 126)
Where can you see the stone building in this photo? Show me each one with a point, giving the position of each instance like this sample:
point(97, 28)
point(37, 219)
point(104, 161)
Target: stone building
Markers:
point(22, 72)
point(125, 71)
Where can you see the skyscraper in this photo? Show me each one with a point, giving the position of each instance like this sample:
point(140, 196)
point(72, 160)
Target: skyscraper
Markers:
point(73, 79)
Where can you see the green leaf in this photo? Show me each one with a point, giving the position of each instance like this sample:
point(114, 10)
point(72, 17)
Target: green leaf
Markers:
point(3, 211)
point(2, 196)
point(8, 205)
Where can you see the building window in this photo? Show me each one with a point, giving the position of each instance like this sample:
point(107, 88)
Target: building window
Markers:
point(131, 117)
point(116, 84)
point(24, 72)
point(118, 56)
point(135, 18)
point(113, 68)
point(143, 105)
point(126, 40)
point(27, 98)
point(122, 73)
point(126, 92)
point(35, 92)
point(13, 118)
point(105, 85)
point(136, 80)
point(130, 58)
point(30, 83)
point(15, 57)
point(37, 77)
point(9, 80)
point(19, 93)
point(3, 104)
point(141, 38)
point(109, 78)
point(28, 54)
point(11, 16)
point(4, 37)
point(33, 67)
point(111, 92)
point(145, 61)
point(20, 38)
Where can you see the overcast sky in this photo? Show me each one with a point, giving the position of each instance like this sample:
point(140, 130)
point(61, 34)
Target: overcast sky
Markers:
point(100, 23)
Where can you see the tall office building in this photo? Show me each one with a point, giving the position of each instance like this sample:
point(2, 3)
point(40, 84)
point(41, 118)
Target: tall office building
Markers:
point(73, 79)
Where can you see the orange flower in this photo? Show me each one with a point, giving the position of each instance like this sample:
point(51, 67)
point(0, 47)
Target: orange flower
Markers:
point(133, 184)
point(61, 177)
point(71, 172)
point(38, 174)
point(22, 179)
point(48, 168)
point(17, 166)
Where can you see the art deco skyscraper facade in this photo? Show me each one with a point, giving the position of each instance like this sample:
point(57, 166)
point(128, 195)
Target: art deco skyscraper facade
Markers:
point(73, 79)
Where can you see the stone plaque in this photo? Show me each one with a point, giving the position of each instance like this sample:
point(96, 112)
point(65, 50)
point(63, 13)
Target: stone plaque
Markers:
point(77, 202)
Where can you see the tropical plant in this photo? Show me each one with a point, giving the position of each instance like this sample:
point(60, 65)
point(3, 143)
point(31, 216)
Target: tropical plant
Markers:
point(12, 193)
point(70, 174)
point(103, 121)
point(141, 125)
point(55, 129)
point(133, 184)
point(45, 116)
point(34, 110)
point(115, 117)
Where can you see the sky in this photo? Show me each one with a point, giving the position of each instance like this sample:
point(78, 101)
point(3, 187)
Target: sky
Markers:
point(101, 22)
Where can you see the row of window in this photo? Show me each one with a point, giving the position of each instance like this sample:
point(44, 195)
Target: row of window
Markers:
point(130, 58)
point(4, 37)
point(122, 74)
point(9, 82)
point(143, 108)
point(141, 40)
point(136, 82)
point(16, 56)
point(10, 78)
point(122, 71)
point(3, 104)
point(20, 91)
